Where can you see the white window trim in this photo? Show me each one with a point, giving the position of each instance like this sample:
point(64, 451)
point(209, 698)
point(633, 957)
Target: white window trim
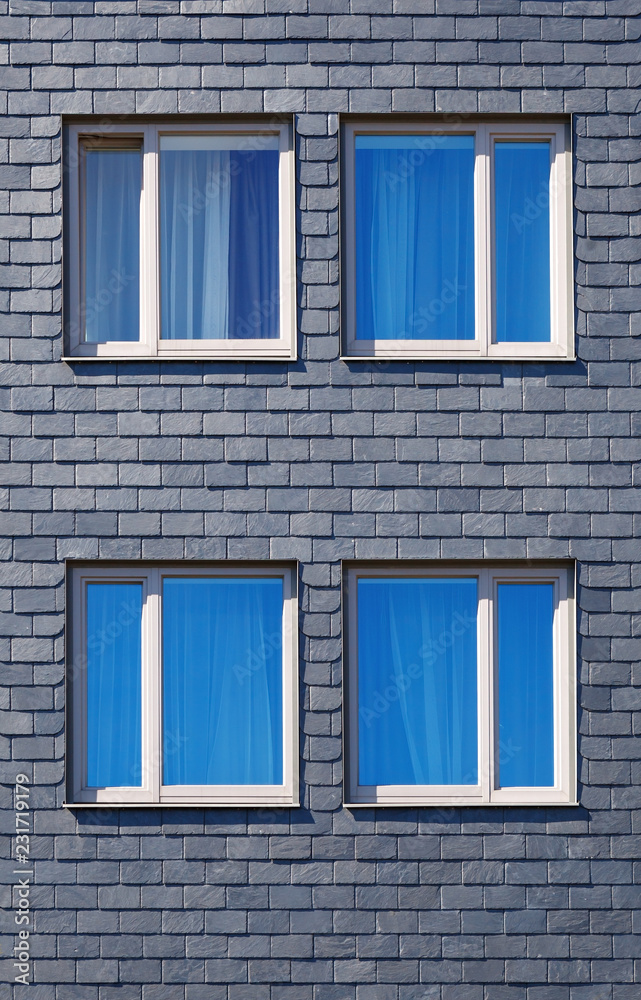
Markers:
point(150, 345)
point(486, 793)
point(152, 791)
point(561, 346)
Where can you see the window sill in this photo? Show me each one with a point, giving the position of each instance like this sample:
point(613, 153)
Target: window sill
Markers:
point(457, 803)
point(282, 355)
point(450, 356)
point(191, 804)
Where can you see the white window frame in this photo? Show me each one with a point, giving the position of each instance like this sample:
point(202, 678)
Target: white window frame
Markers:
point(486, 135)
point(150, 345)
point(152, 791)
point(487, 792)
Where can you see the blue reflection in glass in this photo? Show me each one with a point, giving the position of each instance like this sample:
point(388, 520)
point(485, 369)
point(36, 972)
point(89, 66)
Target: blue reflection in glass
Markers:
point(414, 237)
point(522, 240)
point(222, 681)
point(109, 308)
point(417, 682)
point(114, 614)
point(219, 270)
point(526, 692)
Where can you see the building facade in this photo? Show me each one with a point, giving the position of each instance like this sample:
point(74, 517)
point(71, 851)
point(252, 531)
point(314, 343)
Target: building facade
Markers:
point(324, 464)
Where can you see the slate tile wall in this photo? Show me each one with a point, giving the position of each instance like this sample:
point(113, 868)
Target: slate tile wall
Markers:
point(321, 460)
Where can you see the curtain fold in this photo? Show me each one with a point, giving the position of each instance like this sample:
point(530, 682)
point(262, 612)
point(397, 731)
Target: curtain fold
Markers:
point(222, 681)
point(417, 681)
point(111, 268)
point(414, 237)
point(253, 258)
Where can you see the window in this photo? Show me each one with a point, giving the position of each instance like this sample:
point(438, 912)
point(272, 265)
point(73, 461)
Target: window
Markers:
point(183, 685)
point(180, 241)
point(460, 685)
point(457, 241)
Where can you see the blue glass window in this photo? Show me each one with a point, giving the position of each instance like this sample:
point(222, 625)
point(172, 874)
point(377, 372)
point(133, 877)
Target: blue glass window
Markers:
point(526, 684)
point(219, 237)
point(417, 681)
point(113, 651)
point(110, 263)
point(222, 681)
point(522, 241)
point(414, 237)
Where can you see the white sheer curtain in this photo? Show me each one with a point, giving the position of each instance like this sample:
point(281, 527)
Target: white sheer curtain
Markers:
point(114, 748)
point(222, 681)
point(392, 250)
point(418, 726)
point(195, 223)
point(414, 238)
point(110, 297)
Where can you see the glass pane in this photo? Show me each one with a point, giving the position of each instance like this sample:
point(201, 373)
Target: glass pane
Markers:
point(114, 613)
point(526, 695)
point(414, 237)
point(417, 680)
point(219, 270)
point(222, 681)
point(110, 264)
point(522, 240)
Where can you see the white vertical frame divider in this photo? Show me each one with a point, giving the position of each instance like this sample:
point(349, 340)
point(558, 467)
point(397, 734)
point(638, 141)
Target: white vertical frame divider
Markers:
point(488, 791)
point(486, 716)
point(152, 791)
point(149, 283)
point(482, 240)
point(486, 135)
point(150, 345)
point(152, 671)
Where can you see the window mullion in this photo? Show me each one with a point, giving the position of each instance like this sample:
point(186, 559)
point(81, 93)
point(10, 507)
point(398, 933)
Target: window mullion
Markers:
point(152, 676)
point(483, 239)
point(149, 242)
point(287, 235)
point(562, 316)
point(486, 685)
point(290, 687)
point(564, 694)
